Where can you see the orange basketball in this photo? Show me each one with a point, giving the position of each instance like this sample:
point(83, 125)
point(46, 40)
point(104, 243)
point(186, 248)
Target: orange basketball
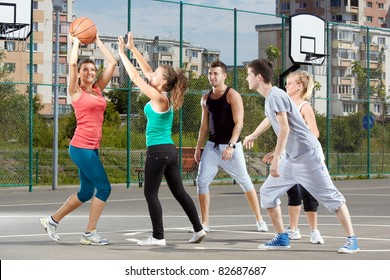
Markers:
point(84, 29)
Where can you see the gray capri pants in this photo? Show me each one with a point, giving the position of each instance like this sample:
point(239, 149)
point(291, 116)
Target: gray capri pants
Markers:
point(310, 171)
point(211, 160)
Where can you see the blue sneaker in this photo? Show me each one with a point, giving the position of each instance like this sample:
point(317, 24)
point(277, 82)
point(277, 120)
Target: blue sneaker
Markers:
point(280, 241)
point(350, 247)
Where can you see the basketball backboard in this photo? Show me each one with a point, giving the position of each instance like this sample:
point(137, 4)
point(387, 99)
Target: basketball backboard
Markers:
point(15, 19)
point(307, 39)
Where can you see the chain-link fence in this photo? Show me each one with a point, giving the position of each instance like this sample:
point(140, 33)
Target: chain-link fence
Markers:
point(191, 36)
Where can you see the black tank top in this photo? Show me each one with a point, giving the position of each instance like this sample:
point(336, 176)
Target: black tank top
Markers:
point(221, 123)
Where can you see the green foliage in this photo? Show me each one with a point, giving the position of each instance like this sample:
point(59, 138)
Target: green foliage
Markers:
point(347, 133)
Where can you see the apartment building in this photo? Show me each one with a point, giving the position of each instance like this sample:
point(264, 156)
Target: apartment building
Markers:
point(156, 51)
point(354, 25)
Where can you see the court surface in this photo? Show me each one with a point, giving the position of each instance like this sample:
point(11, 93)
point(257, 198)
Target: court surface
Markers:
point(125, 221)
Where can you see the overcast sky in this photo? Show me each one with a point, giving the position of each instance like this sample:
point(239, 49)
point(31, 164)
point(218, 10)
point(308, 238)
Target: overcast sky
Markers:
point(207, 27)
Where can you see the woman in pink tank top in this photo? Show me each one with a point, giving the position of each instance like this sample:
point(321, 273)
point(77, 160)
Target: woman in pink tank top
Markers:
point(89, 105)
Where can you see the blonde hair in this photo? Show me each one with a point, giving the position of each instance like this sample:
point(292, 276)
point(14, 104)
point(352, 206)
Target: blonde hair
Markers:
point(304, 78)
point(177, 83)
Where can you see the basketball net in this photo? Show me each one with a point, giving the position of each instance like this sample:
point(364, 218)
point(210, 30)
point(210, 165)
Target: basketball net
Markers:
point(13, 34)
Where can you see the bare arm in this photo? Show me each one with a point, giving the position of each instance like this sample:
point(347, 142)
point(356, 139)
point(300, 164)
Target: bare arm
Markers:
point(284, 130)
point(106, 76)
point(310, 119)
point(145, 67)
point(235, 101)
point(203, 130)
point(263, 127)
point(160, 102)
point(73, 84)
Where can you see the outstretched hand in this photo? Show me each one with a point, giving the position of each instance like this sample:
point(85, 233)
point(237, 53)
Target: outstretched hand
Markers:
point(121, 44)
point(249, 141)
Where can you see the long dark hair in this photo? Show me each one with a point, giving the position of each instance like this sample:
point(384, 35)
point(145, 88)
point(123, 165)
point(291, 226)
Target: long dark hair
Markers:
point(177, 83)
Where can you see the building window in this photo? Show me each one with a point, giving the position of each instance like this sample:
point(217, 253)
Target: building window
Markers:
point(349, 108)
point(335, 3)
point(34, 68)
point(377, 108)
point(317, 4)
point(115, 80)
point(346, 54)
point(345, 35)
point(9, 67)
point(194, 68)
point(64, 109)
point(382, 40)
point(62, 91)
point(34, 26)
point(166, 62)
point(302, 5)
point(369, 18)
point(34, 47)
point(114, 46)
point(99, 63)
point(194, 54)
point(381, 6)
point(285, 6)
point(9, 46)
point(35, 5)
point(381, 20)
point(369, 4)
point(34, 89)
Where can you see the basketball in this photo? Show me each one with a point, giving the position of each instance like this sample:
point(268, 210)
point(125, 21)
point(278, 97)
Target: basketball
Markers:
point(84, 29)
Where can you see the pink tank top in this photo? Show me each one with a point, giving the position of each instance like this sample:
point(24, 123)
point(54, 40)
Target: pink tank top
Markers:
point(89, 111)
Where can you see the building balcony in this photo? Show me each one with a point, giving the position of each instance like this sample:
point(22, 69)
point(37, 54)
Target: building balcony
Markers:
point(343, 81)
point(337, 44)
point(341, 62)
point(373, 47)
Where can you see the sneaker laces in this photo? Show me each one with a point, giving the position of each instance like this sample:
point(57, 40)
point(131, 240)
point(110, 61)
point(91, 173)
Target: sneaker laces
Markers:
point(349, 243)
point(273, 240)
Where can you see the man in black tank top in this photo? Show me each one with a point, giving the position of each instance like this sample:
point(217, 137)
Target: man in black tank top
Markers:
point(222, 121)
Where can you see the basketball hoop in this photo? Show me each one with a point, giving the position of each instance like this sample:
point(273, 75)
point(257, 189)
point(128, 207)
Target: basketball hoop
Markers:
point(313, 56)
point(12, 34)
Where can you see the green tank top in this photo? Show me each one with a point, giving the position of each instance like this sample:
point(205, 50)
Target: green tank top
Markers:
point(159, 126)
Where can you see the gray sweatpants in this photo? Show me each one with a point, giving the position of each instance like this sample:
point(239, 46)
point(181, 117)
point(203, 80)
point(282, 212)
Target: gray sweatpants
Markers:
point(310, 171)
point(211, 160)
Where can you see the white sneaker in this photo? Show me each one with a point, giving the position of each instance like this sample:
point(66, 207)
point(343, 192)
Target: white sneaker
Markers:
point(293, 234)
point(315, 237)
point(51, 229)
point(198, 236)
point(205, 228)
point(261, 226)
point(151, 241)
point(93, 238)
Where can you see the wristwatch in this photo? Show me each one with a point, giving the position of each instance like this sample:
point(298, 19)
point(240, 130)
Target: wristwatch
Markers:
point(231, 145)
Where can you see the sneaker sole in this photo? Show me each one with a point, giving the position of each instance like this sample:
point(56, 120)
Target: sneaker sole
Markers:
point(87, 242)
point(318, 242)
point(44, 225)
point(199, 239)
point(274, 247)
point(295, 238)
point(152, 245)
point(348, 251)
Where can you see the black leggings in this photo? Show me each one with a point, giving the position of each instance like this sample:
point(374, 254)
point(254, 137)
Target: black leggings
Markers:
point(298, 193)
point(162, 160)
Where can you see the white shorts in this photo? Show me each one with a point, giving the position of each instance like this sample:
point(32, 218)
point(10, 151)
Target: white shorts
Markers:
point(211, 160)
point(310, 171)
